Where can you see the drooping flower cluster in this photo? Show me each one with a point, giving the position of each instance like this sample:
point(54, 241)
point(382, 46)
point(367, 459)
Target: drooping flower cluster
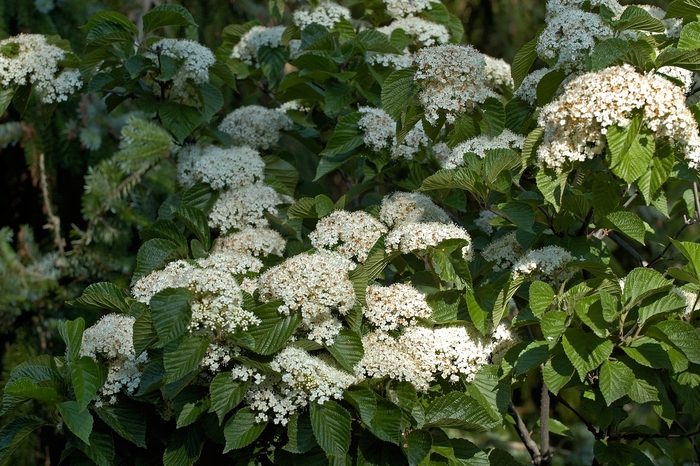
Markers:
point(549, 263)
point(505, 252)
point(30, 59)
point(452, 80)
point(425, 33)
point(255, 126)
point(380, 133)
point(219, 167)
point(111, 340)
point(326, 13)
point(316, 284)
point(480, 145)
point(250, 43)
point(217, 303)
point(256, 241)
point(575, 124)
point(351, 234)
point(245, 206)
point(196, 61)
point(394, 306)
point(302, 379)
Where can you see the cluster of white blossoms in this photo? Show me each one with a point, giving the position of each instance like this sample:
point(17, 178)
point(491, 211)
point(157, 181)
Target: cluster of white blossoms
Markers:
point(555, 7)
point(326, 13)
point(482, 221)
point(569, 37)
point(402, 207)
point(196, 60)
point(425, 33)
point(245, 206)
point(219, 167)
point(256, 126)
point(256, 241)
point(549, 263)
point(217, 304)
point(497, 72)
point(350, 234)
point(480, 145)
point(397, 61)
point(452, 80)
point(258, 36)
point(685, 77)
point(419, 236)
point(393, 306)
point(527, 90)
point(403, 8)
point(317, 284)
point(380, 133)
point(692, 302)
point(505, 252)
point(575, 124)
point(29, 59)
point(111, 339)
point(303, 379)
point(218, 356)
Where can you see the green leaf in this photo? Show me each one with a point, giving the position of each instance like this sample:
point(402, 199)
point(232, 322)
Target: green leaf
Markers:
point(78, 421)
point(347, 348)
point(627, 223)
point(638, 19)
point(112, 17)
point(283, 172)
point(398, 91)
point(300, 434)
point(536, 353)
point(461, 178)
point(631, 150)
point(680, 335)
point(101, 296)
point(167, 15)
point(551, 185)
point(40, 370)
point(648, 352)
point(641, 283)
point(125, 419)
point(522, 62)
point(212, 100)
point(346, 136)
point(85, 376)
point(690, 36)
point(6, 96)
point(688, 59)
point(548, 85)
point(386, 422)
point(25, 387)
point(331, 426)
point(165, 229)
point(691, 251)
point(416, 446)
point(180, 119)
point(521, 214)
point(586, 351)
point(195, 220)
point(457, 410)
point(171, 313)
point(324, 205)
point(615, 380)
point(153, 254)
point(557, 372)
point(143, 141)
point(144, 333)
point(226, 394)
point(274, 330)
point(191, 403)
point(13, 434)
point(183, 356)
point(72, 334)
point(541, 297)
point(494, 115)
point(184, 446)
point(607, 52)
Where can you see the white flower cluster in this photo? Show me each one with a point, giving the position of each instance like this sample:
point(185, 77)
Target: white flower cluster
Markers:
point(256, 126)
point(245, 206)
point(549, 262)
point(196, 60)
point(401, 207)
point(316, 284)
point(418, 236)
point(218, 356)
point(482, 221)
point(452, 80)
point(33, 61)
point(569, 37)
point(256, 241)
point(111, 339)
point(217, 304)
point(351, 234)
point(403, 8)
point(480, 145)
point(219, 167)
point(527, 90)
point(505, 252)
point(390, 60)
point(380, 133)
point(258, 36)
point(389, 307)
point(303, 378)
point(425, 33)
point(497, 72)
point(692, 303)
point(555, 7)
point(326, 13)
point(685, 77)
point(575, 124)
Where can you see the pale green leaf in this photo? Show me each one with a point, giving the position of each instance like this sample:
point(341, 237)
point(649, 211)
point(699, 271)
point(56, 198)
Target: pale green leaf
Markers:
point(586, 351)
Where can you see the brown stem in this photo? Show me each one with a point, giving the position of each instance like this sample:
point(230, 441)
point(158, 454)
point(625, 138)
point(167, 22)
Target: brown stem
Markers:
point(54, 221)
point(524, 435)
point(546, 454)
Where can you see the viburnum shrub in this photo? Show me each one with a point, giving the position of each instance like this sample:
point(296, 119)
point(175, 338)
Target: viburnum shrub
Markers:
point(386, 255)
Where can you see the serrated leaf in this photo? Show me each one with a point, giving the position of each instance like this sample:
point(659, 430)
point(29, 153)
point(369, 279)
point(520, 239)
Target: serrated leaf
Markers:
point(25, 387)
point(627, 223)
point(457, 410)
point(180, 119)
point(324, 205)
point(113, 17)
point(557, 372)
point(331, 426)
point(690, 36)
point(521, 214)
point(631, 150)
point(363, 400)
point(183, 356)
point(283, 172)
point(72, 334)
point(6, 96)
point(300, 434)
point(682, 8)
point(641, 283)
point(536, 353)
point(171, 312)
point(346, 136)
point(167, 15)
point(101, 296)
point(398, 91)
point(541, 297)
point(126, 420)
point(548, 85)
point(680, 335)
point(688, 59)
point(274, 330)
point(586, 351)
point(636, 18)
point(522, 62)
point(191, 403)
point(184, 446)
point(347, 348)
point(416, 446)
point(386, 423)
point(608, 52)
point(153, 254)
point(13, 434)
point(78, 421)
point(241, 430)
point(85, 376)
point(494, 115)
point(195, 220)
point(226, 394)
point(615, 380)
point(648, 352)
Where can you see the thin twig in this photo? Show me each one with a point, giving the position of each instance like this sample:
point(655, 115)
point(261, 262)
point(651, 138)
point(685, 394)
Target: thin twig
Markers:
point(628, 249)
point(589, 426)
point(54, 221)
point(631, 199)
point(546, 454)
point(524, 435)
point(661, 254)
point(585, 222)
point(697, 200)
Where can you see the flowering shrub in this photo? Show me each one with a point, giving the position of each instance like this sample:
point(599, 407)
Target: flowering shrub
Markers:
point(491, 229)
